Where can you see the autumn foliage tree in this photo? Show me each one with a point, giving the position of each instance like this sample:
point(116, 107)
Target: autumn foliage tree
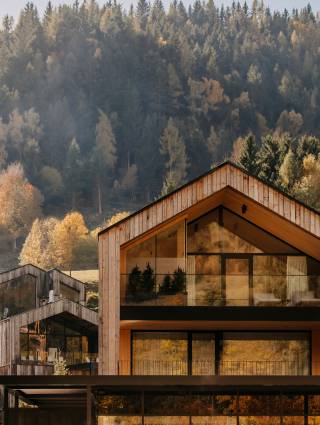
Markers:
point(20, 202)
point(38, 248)
point(67, 235)
point(65, 243)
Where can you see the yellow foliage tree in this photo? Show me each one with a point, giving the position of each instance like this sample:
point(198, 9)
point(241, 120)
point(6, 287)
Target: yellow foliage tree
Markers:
point(117, 217)
point(308, 188)
point(37, 248)
point(20, 202)
point(68, 234)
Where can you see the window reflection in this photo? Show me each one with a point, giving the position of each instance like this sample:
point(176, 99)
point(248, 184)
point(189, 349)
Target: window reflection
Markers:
point(160, 353)
point(203, 354)
point(17, 295)
point(47, 340)
point(261, 353)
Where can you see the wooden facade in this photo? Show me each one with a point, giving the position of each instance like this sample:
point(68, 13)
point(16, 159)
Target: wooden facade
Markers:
point(44, 280)
point(10, 331)
point(227, 185)
point(59, 305)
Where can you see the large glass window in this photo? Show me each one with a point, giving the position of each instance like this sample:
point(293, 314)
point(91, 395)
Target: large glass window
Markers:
point(69, 293)
point(203, 354)
point(264, 353)
point(17, 295)
point(226, 353)
point(160, 353)
point(222, 231)
point(155, 269)
point(222, 260)
point(160, 408)
point(48, 340)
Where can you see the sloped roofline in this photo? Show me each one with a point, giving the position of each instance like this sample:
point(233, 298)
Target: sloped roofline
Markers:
point(41, 270)
point(212, 170)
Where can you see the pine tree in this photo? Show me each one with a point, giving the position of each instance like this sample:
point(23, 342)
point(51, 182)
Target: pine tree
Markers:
point(269, 159)
point(73, 171)
point(249, 155)
point(142, 13)
point(173, 148)
point(105, 153)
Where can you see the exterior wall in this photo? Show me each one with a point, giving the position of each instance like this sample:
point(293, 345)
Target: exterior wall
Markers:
point(41, 276)
point(301, 222)
point(10, 328)
point(59, 277)
point(125, 352)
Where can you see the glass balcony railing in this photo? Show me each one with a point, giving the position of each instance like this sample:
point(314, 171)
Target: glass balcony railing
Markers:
point(272, 290)
point(49, 357)
point(211, 368)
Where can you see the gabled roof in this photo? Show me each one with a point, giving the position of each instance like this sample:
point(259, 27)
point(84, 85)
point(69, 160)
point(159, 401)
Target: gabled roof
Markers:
point(35, 270)
point(228, 170)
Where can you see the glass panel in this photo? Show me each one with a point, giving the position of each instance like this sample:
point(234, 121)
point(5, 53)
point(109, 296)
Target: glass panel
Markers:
point(225, 404)
point(231, 233)
point(160, 353)
point(215, 420)
point(142, 254)
point(24, 346)
point(314, 420)
point(119, 420)
point(204, 280)
point(113, 404)
point(203, 354)
point(170, 250)
point(17, 295)
point(155, 269)
point(293, 420)
point(314, 404)
point(166, 420)
point(171, 404)
point(292, 405)
point(73, 350)
point(259, 420)
point(259, 404)
point(200, 404)
point(237, 281)
point(264, 354)
point(205, 234)
point(69, 293)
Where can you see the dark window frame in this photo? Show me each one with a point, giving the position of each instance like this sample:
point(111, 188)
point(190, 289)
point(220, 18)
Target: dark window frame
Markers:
point(218, 338)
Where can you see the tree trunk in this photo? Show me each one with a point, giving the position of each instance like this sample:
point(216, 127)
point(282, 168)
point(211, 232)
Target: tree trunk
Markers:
point(99, 198)
point(14, 244)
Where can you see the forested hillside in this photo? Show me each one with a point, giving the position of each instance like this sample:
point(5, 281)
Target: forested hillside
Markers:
point(106, 108)
point(86, 92)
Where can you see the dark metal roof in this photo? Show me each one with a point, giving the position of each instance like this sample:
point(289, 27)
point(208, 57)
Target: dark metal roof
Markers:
point(223, 164)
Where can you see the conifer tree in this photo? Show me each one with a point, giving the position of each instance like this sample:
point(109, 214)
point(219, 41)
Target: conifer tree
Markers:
point(173, 148)
point(105, 153)
point(249, 155)
point(269, 159)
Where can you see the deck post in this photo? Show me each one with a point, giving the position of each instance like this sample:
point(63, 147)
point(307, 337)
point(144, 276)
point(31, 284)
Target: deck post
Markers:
point(89, 406)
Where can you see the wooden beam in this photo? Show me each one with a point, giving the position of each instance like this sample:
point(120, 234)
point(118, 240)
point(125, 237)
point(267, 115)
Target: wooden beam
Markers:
point(89, 405)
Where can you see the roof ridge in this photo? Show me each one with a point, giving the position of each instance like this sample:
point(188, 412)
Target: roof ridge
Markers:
point(212, 170)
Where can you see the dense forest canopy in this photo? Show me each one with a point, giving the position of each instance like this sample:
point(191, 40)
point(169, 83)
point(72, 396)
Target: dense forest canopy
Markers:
point(105, 109)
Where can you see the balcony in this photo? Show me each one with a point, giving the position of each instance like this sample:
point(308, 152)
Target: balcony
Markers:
point(212, 368)
point(234, 290)
point(52, 356)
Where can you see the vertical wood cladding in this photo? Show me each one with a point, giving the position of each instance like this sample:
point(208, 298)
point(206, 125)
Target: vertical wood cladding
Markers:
point(264, 198)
